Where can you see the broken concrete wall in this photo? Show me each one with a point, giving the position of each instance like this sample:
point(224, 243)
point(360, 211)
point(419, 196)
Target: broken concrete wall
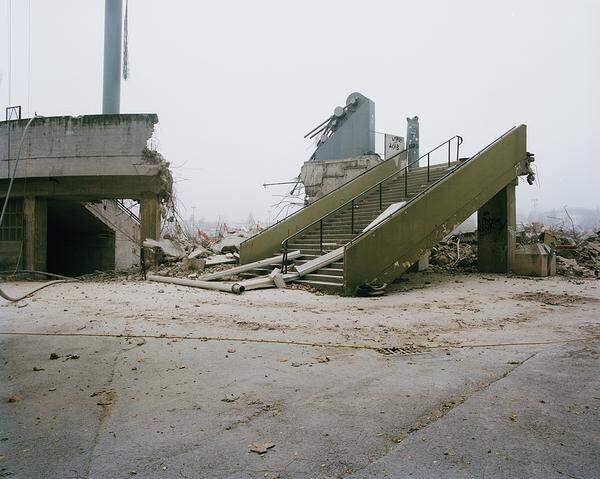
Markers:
point(322, 177)
point(87, 158)
point(87, 145)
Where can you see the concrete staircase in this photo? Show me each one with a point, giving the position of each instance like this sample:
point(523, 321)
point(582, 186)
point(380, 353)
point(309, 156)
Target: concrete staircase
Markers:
point(439, 197)
point(340, 227)
point(337, 228)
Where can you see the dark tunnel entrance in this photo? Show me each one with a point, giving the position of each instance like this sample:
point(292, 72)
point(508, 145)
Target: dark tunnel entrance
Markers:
point(78, 242)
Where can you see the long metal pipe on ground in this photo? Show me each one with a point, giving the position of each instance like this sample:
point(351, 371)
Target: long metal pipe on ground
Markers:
point(236, 288)
point(248, 267)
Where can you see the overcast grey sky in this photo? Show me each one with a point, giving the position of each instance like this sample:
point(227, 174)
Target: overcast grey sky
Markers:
point(236, 84)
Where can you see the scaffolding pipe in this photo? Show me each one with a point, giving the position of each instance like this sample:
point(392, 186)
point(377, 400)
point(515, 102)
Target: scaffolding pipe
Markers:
point(248, 267)
point(236, 288)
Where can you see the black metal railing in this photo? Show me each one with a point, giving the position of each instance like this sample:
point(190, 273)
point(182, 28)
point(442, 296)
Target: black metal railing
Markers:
point(125, 209)
point(352, 202)
point(325, 197)
point(462, 163)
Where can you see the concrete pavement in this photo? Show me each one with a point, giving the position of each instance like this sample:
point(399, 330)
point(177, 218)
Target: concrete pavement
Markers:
point(115, 405)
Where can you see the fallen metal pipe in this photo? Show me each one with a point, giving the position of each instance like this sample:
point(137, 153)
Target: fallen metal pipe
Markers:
point(248, 267)
point(236, 288)
point(320, 262)
point(254, 283)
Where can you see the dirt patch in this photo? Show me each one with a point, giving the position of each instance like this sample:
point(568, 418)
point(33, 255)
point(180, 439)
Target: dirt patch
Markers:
point(401, 350)
point(552, 299)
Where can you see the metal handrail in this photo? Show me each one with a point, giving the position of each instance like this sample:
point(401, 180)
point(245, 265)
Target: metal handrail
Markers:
point(368, 170)
point(405, 170)
point(414, 198)
point(125, 209)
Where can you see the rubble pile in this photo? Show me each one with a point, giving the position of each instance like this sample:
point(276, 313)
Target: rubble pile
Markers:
point(577, 254)
point(455, 252)
point(184, 257)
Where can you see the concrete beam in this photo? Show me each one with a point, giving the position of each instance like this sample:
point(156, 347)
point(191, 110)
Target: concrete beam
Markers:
point(496, 232)
point(35, 211)
point(88, 188)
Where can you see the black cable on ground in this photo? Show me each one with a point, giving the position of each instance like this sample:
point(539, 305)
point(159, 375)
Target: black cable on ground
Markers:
point(62, 279)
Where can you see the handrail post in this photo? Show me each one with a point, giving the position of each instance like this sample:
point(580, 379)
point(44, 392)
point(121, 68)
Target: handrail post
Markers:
point(321, 236)
point(449, 141)
point(352, 215)
point(406, 181)
point(457, 147)
point(381, 195)
point(427, 167)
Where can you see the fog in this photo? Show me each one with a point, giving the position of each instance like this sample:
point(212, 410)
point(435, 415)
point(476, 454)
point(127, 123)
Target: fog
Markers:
point(237, 84)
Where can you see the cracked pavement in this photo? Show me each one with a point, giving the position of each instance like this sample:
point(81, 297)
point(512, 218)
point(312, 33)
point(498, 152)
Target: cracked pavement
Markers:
point(171, 407)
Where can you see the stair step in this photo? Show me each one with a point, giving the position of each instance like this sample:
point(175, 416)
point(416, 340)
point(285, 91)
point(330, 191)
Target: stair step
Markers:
point(331, 271)
point(325, 278)
point(337, 264)
point(307, 252)
point(314, 236)
point(322, 285)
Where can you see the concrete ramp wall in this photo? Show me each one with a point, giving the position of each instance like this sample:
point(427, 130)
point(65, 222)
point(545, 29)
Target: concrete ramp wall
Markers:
point(389, 249)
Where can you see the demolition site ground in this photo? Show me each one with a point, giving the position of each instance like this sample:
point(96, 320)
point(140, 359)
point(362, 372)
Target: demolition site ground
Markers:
point(463, 375)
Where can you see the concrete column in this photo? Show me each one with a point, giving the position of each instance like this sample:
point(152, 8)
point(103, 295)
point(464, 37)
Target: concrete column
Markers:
point(150, 218)
point(35, 211)
point(496, 229)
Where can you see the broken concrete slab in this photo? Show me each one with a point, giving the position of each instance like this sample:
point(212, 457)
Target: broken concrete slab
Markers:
point(199, 252)
point(536, 259)
point(229, 244)
point(194, 264)
point(220, 259)
point(167, 247)
point(277, 278)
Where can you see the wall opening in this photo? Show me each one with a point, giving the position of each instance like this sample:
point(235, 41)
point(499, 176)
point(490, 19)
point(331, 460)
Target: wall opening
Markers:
point(78, 242)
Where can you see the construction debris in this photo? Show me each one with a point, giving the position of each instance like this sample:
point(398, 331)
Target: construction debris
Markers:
point(261, 448)
point(456, 252)
point(229, 244)
point(577, 254)
point(180, 254)
point(169, 249)
point(236, 288)
point(230, 398)
point(248, 267)
point(199, 263)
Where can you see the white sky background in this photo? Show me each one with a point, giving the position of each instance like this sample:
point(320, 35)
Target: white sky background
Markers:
point(236, 84)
